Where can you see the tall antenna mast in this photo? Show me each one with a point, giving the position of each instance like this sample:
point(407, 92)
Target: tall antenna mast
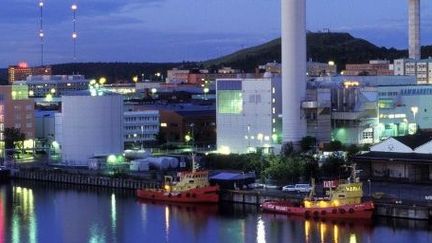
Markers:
point(41, 31)
point(74, 8)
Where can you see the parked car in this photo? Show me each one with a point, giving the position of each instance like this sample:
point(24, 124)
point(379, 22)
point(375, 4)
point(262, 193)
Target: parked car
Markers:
point(297, 188)
point(289, 188)
point(269, 186)
point(256, 186)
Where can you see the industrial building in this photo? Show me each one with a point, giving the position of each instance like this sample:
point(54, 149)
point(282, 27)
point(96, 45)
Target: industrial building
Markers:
point(54, 85)
point(248, 114)
point(140, 127)
point(89, 126)
point(419, 68)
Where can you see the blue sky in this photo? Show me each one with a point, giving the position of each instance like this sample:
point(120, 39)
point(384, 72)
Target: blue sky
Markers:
point(177, 30)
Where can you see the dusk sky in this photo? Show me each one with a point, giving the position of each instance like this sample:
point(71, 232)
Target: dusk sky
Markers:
point(176, 30)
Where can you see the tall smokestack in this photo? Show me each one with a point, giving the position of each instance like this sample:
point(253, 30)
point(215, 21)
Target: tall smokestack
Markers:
point(414, 29)
point(293, 69)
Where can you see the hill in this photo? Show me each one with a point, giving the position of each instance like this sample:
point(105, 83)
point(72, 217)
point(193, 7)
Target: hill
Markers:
point(342, 48)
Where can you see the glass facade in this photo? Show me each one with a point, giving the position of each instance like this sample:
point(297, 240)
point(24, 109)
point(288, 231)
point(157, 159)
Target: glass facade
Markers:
point(20, 92)
point(230, 102)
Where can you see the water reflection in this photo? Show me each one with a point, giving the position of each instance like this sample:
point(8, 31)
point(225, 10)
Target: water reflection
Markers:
point(34, 213)
point(114, 216)
point(261, 238)
point(167, 222)
point(23, 214)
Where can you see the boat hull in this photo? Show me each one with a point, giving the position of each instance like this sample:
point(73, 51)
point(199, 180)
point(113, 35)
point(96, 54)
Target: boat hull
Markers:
point(208, 194)
point(352, 211)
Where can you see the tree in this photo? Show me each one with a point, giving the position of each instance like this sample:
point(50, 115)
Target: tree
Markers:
point(335, 145)
point(333, 167)
point(287, 149)
point(307, 143)
point(352, 151)
point(160, 138)
point(285, 169)
point(13, 138)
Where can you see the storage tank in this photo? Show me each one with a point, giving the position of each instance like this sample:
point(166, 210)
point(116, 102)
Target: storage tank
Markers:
point(90, 125)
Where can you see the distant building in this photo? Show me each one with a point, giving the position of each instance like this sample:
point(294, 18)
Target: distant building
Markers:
point(141, 127)
point(248, 114)
point(198, 125)
point(55, 85)
point(199, 76)
point(421, 69)
point(318, 69)
point(373, 68)
point(22, 71)
point(16, 110)
point(90, 126)
point(314, 69)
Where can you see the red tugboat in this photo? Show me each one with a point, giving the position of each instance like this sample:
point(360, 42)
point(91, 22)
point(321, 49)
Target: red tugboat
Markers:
point(192, 187)
point(345, 202)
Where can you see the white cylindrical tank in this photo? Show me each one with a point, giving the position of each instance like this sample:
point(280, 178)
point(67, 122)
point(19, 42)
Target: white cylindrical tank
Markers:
point(91, 125)
point(293, 69)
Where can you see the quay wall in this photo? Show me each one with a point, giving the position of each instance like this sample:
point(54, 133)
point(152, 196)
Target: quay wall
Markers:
point(85, 179)
point(393, 210)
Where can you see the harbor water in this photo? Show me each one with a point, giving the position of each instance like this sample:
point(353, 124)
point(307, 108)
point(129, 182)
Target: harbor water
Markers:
point(47, 212)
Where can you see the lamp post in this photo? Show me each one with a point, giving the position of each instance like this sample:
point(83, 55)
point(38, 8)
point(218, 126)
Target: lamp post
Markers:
point(370, 187)
point(74, 8)
point(414, 110)
point(142, 137)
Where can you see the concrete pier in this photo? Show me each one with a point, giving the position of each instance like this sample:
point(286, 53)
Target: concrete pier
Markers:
point(405, 211)
point(85, 179)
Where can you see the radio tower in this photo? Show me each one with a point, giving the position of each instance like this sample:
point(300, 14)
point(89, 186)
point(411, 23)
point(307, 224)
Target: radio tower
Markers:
point(41, 31)
point(74, 8)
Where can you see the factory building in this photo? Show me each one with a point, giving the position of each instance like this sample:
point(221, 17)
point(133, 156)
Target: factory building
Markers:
point(248, 114)
point(140, 127)
point(54, 85)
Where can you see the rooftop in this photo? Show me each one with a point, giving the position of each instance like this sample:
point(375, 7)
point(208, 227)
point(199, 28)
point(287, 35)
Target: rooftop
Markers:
point(415, 141)
point(393, 156)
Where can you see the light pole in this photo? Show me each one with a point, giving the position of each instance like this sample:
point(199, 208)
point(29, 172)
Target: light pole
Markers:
point(74, 8)
point(414, 110)
point(142, 137)
point(41, 31)
point(370, 187)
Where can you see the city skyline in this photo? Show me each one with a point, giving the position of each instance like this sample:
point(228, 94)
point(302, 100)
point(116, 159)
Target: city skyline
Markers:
point(162, 31)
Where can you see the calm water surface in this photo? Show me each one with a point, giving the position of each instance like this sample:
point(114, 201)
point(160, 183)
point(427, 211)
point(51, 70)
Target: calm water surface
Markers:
point(35, 212)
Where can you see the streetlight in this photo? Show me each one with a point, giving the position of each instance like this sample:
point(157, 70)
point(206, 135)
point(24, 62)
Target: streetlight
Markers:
point(74, 8)
point(370, 187)
point(414, 110)
point(142, 137)
point(206, 90)
point(102, 80)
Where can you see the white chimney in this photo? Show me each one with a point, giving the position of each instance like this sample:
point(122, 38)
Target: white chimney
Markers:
point(293, 69)
point(414, 29)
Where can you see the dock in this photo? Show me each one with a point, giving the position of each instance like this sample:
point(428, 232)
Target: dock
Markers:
point(398, 209)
